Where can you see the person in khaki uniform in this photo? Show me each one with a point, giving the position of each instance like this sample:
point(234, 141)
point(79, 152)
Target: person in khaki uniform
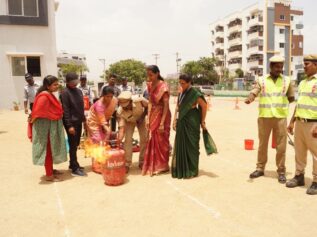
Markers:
point(275, 92)
point(131, 114)
point(305, 121)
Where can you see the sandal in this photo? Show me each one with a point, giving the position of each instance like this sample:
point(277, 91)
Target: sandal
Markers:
point(53, 179)
point(57, 172)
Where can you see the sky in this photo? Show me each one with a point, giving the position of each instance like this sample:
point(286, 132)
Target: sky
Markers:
point(124, 29)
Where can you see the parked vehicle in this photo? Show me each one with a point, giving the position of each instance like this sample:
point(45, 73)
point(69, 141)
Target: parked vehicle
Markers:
point(205, 89)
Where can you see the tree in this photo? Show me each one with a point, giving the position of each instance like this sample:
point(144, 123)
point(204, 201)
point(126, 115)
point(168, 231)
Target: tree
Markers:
point(72, 67)
point(132, 69)
point(202, 71)
point(239, 73)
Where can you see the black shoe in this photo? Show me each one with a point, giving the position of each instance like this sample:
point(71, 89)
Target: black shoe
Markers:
point(256, 174)
point(79, 172)
point(79, 167)
point(282, 178)
point(312, 189)
point(298, 180)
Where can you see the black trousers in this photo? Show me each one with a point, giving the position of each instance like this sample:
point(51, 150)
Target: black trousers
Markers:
point(74, 141)
point(31, 106)
point(114, 121)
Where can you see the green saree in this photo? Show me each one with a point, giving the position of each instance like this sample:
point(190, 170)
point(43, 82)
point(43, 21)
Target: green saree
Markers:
point(186, 147)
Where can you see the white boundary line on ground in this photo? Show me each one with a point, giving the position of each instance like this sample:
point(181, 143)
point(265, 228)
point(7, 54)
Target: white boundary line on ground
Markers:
point(61, 211)
point(215, 214)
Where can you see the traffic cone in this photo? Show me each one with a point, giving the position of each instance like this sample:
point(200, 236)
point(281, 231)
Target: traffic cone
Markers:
point(237, 104)
point(209, 105)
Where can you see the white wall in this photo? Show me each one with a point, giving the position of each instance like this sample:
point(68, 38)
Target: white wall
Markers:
point(26, 39)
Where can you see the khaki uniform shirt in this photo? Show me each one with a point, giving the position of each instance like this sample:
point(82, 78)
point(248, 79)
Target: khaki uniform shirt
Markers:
point(131, 116)
point(257, 89)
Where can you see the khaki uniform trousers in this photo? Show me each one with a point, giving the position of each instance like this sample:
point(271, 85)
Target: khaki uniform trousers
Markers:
point(129, 130)
point(279, 127)
point(304, 141)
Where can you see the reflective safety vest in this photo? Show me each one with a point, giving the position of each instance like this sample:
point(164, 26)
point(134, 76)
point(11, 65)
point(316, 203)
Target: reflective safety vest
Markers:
point(273, 101)
point(307, 99)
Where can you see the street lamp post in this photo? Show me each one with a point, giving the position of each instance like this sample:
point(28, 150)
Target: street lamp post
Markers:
point(103, 61)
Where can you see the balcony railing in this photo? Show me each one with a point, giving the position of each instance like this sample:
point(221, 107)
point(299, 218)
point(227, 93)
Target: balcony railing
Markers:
point(234, 66)
point(219, 45)
point(235, 41)
point(255, 35)
point(235, 54)
point(255, 21)
point(254, 50)
point(235, 28)
point(219, 34)
point(255, 64)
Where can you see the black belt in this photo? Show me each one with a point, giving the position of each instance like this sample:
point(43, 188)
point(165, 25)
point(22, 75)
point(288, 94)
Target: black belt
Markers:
point(307, 120)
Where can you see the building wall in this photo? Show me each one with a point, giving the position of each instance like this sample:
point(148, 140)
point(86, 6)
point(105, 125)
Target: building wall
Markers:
point(25, 40)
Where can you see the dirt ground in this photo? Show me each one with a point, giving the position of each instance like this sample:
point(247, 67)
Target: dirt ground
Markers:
point(222, 201)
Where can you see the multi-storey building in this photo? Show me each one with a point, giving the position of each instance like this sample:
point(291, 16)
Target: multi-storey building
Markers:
point(27, 44)
point(247, 39)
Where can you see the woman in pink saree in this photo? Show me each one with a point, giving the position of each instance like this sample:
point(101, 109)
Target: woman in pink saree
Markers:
point(99, 116)
point(158, 122)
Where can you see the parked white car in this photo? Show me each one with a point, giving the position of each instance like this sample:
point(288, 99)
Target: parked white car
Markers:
point(206, 89)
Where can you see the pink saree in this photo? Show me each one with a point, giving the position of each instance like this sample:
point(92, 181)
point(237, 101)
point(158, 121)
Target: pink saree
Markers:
point(98, 118)
point(157, 150)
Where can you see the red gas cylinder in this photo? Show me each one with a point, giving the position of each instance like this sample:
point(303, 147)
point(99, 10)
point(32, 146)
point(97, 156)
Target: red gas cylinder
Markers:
point(114, 169)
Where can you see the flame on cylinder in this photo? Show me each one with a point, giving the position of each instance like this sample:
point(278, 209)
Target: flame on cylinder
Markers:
point(97, 151)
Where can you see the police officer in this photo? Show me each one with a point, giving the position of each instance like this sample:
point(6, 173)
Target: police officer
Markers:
point(305, 121)
point(275, 93)
point(131, 114)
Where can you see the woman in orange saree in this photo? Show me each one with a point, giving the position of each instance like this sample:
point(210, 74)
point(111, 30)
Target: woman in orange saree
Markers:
point(158, 122)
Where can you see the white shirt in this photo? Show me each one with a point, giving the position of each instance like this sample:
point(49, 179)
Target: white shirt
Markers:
point(86, 92)
point(30, 92)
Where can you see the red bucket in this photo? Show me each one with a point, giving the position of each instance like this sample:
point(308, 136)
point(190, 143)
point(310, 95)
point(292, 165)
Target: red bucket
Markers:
point(248, 144)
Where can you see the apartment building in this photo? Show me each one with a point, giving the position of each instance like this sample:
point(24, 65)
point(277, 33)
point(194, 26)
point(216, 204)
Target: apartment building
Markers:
point(247, 39)
point(27, 44)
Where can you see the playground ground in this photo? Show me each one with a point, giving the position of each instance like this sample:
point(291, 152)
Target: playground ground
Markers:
point(222, 201)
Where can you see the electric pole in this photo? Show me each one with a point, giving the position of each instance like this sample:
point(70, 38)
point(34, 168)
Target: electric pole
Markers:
point(178, 62)
point(156, 57)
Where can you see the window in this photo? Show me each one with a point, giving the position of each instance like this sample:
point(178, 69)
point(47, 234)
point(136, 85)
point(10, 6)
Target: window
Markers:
point(282, 31)
point(291, 59)
point(23, 8)
point(282, 45)
point(282, 17)
point(34, 66)
point(30, 7)
point(300, 45)
point(18, 66)
point(15, 7)
point(292, 18)
point(21, 65)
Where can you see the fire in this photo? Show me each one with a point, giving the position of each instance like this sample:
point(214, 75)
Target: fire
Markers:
point(97, 151)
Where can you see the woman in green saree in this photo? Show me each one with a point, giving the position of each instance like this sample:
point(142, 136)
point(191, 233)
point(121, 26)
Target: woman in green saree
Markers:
point(189, 116)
